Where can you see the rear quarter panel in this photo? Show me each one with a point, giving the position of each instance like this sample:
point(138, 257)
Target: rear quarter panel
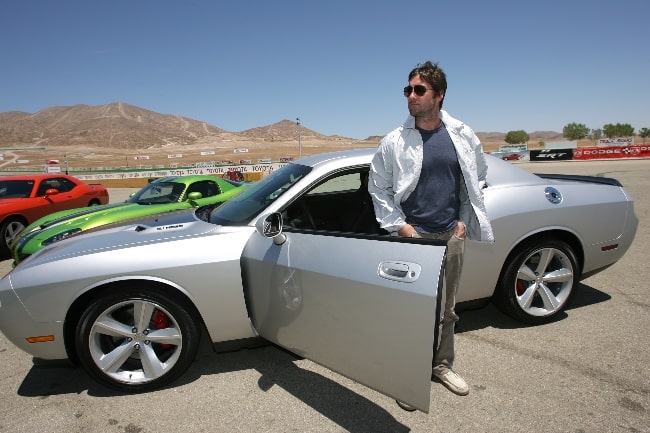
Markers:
point(595, 214)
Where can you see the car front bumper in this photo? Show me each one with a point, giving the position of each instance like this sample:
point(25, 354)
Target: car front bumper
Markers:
point(20, 327)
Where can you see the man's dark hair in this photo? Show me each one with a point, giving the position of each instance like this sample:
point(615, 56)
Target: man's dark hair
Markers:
point(434, 75)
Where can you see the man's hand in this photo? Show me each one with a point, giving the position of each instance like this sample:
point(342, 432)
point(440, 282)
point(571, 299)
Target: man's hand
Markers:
point(407, 231)
point(461, 230)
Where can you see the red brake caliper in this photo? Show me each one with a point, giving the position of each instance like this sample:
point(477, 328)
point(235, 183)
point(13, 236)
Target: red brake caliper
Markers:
point(161, 321)
point(520, 288)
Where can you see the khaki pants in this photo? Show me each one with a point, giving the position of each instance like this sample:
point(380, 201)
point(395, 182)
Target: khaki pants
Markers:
point(444, 356)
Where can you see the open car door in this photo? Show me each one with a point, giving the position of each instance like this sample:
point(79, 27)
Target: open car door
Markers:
point(365, 307)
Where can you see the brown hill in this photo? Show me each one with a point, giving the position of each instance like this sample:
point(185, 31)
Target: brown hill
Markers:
point(284, 130)
point(123, 126)
point(122, 136)
point(116, 125)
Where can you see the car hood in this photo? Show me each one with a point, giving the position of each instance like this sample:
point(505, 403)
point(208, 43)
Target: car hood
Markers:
point(85, 213)
point(128, 234)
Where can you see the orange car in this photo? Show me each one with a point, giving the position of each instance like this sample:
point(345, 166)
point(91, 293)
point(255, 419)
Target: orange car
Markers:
point(26, 198)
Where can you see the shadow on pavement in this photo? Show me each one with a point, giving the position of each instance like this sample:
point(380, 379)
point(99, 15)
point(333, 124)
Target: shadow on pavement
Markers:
point(342, 406)
point(491, 316)
point(346, 408)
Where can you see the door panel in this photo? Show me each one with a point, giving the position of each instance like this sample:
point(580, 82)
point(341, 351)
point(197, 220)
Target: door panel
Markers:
point(363, 307)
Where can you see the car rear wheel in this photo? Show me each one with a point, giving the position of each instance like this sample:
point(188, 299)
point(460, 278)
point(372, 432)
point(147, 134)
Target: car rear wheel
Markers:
point(9, 229)
point(136, 340)
point(538, 281)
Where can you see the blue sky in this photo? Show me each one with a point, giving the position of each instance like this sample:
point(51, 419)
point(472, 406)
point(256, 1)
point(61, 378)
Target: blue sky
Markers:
point(339, 65)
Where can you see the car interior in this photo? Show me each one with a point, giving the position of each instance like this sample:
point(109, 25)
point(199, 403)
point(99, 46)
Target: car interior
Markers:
point(48, 184)
point(207, 189)
point(339, 203)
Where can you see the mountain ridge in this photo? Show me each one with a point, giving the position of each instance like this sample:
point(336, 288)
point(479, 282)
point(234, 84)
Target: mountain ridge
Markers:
point(121, 125)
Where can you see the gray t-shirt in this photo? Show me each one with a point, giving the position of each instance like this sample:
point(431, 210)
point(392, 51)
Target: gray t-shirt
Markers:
point(433, 206)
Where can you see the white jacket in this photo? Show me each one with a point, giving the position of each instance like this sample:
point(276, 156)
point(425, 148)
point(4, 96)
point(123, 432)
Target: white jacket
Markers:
point(397, 165)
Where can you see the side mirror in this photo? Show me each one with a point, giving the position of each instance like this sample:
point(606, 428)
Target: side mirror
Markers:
point(51, 191)
point(270, 226)
point(194, 196)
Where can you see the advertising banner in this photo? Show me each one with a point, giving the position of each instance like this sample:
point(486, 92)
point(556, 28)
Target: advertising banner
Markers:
point(219, 171)
point(513, 147)
point(551, 154)
point(620, 141)
point(611, 152)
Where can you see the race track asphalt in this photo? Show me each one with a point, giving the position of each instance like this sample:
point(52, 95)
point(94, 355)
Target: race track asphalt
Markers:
point(588, 372)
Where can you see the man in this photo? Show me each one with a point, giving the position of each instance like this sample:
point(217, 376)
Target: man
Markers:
point(426, 181)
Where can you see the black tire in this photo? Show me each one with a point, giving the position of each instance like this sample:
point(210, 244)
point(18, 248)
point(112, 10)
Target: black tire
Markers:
point(538, 281)
point(94, 202)
point(110, 343)
point(9, 229)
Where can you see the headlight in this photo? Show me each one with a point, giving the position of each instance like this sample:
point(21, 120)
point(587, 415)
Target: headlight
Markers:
point(60, 236)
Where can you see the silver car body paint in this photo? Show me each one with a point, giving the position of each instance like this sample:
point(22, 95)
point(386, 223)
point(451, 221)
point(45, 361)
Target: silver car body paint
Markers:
point(363, 305)
point(345, 314)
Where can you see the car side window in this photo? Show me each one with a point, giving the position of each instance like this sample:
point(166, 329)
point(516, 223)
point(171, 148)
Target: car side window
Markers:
point(65, 184)
point(60, 184)
point(344, 183)
point(47, 184)
point(339, 203)
point(206, 188)
point(16, 189)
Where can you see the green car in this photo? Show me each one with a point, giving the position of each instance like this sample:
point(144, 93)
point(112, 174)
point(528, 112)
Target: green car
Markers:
point(160, 196)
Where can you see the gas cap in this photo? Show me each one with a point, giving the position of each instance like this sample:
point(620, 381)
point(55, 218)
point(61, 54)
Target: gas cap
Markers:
point(553, 195)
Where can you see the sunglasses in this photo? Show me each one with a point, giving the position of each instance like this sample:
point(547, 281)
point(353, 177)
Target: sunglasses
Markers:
point(419, 90)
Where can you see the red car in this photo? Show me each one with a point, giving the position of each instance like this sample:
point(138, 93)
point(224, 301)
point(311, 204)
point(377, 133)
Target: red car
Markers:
point(26, 198)
point(512, 157)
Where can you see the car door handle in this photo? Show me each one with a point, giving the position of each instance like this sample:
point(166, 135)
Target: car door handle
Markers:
point(400, 271)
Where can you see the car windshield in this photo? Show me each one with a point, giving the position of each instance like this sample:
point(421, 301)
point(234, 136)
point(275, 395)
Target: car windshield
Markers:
point(16, 188)
point(247, 205)
point(158, 192)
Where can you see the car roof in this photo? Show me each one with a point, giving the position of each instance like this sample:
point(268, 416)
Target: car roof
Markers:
point(500, 173)
point(341, 158)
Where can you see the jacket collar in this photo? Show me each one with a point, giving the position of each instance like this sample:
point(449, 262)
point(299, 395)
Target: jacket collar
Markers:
point(450, 122)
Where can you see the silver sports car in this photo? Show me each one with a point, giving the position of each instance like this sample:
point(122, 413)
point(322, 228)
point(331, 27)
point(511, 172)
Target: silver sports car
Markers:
point(299, 260)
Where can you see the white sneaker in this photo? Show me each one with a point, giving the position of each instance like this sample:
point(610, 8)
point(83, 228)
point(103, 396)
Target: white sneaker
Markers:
point(452, 381)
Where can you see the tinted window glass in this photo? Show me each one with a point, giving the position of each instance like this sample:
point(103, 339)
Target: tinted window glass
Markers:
point(250, 203)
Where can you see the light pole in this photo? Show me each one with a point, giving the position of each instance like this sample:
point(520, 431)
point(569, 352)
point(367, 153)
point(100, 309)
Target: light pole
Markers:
point(299, 141)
